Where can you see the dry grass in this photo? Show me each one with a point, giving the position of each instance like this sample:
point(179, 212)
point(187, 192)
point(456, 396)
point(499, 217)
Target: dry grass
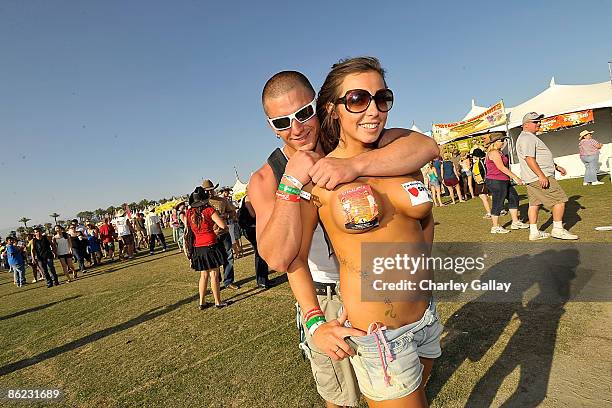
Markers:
point(130, 334)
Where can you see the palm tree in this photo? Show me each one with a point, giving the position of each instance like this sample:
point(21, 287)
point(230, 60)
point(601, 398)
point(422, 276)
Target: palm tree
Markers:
point(143, 204)
point(54, 216)
point(48, 227)
point(25, 221)
point(99, 214)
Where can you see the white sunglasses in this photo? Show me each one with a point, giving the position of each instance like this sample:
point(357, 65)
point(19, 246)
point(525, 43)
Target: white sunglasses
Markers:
point(303, 114)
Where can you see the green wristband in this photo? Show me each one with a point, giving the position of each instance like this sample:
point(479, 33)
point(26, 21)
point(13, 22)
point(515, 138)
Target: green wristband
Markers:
point(288, 189)
point(314, 320)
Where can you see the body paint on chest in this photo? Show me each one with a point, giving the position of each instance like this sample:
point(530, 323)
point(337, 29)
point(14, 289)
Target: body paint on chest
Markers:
point(360, 208)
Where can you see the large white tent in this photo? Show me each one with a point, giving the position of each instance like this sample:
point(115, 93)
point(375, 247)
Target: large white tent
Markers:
point(558, 99)
point(415, 128)
point(474, 111)
point(239, 189)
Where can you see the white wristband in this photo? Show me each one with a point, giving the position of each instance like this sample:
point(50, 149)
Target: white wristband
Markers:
point(314, 327)
point(305, 195)
point(293, 180)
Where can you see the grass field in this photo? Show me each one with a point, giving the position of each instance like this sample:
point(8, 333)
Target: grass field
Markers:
point(130, 334)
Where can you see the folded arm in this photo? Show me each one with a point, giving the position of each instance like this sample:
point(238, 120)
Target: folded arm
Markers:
point(275, 219)
point(399, 152)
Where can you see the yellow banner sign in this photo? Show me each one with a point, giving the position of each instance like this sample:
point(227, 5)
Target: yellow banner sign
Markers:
point(494, 116)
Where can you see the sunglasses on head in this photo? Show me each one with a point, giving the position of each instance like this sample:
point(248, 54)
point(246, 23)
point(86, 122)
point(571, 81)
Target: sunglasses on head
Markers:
point(358, 100)
point(303, 114)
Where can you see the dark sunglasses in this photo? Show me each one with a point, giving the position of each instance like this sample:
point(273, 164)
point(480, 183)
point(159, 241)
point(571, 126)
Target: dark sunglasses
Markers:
point(302, 115)
point(358, 100)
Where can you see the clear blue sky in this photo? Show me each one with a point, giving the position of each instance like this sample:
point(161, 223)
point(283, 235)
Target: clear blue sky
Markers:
point(114, 101)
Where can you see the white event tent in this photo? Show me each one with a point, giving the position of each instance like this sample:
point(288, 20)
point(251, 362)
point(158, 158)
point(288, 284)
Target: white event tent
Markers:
point(558, 99)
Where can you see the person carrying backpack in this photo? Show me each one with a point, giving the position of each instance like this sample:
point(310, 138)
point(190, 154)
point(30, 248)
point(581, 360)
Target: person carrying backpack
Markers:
point(479, 174)
point(246, 221)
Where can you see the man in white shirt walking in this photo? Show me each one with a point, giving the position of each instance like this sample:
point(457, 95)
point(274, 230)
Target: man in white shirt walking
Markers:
point(154, 229)
point(538, 173)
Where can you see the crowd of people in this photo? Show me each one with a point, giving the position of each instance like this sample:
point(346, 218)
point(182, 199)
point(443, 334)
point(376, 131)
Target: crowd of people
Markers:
point(340, 180)
point(485, 172)
point(82, 246)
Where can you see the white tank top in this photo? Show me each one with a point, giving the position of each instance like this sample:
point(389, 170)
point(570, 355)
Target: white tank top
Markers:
point(324, 268)
point(62, 246)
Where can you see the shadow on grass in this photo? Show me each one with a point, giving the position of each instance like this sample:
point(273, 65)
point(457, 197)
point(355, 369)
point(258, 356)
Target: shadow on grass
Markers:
point(119, 265)
point(477, 326)
point(238, 297)
point(37, 308)
point(54, 352)
point(31, 286)
point(107, 267)
point(571, 216)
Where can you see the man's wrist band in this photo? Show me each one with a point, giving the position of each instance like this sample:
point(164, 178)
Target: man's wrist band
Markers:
point(288, 197)
point(293, 180)
point(289, 189)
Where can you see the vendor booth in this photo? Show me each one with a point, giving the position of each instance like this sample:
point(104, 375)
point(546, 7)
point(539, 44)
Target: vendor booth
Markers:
point(568, 110)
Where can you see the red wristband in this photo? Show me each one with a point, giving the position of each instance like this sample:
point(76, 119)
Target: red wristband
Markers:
point(313, 312)
point(288, 197)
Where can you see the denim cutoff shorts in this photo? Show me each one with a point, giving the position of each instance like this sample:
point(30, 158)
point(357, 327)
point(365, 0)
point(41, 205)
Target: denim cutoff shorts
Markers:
point(387, 362)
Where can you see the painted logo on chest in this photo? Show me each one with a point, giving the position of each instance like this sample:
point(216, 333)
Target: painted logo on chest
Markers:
point(417, 192)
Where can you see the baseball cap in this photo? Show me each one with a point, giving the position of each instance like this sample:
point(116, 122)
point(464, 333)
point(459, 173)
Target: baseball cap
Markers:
point(532, 117)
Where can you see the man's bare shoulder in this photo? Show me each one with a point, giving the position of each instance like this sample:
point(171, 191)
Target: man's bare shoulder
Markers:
point(262, 187)
point(263, 178)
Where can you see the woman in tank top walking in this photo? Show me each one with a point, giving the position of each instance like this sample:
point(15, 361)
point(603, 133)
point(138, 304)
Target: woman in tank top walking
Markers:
point(498, 183)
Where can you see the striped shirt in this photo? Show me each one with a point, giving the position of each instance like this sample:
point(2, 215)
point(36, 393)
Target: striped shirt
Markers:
point(588, 147)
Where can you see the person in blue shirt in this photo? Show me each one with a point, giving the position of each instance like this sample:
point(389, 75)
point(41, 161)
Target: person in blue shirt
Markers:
point(16, 260)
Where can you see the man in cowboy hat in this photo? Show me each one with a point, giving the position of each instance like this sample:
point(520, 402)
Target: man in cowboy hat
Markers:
point(589, 154)
point(226, 211)
point(125, 233)
point(232, 222)
point(538, 173)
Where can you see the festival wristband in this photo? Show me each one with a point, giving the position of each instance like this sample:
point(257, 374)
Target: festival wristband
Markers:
point(288, 197)
point(289, 189)
point(313, 320)
point(293, 180)
point(313, 312)
point(305, 195)
point(314, 327)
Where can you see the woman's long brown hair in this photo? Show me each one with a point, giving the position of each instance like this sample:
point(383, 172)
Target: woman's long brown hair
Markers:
point(330, 92)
